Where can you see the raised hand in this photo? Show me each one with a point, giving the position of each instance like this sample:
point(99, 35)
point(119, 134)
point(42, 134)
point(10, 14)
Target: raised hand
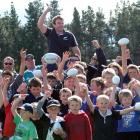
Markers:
point(23, 53)
point(95, 43)
point(49, 8)
point(66, 56)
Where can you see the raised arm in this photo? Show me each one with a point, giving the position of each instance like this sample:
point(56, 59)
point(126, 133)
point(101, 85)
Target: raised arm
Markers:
point(15, 105)
point(22, 64)
point(99, 52)
point(127, 110)
point(6, 82)
point(124, 59)
point(89, 102)
point(42, 27)
point(62, 64)
point(40, 111)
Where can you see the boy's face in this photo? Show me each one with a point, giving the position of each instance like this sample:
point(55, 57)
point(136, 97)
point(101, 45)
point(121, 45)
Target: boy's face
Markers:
point(53, 110)
point(25, 114)
point(74, 106)
point(126, 101)
point(64, 97)
point(103, 104)
point(51, 81)
point(35, 90)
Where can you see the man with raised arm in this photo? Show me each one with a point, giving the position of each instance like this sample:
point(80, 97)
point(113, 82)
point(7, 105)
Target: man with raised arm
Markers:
point(59, 40)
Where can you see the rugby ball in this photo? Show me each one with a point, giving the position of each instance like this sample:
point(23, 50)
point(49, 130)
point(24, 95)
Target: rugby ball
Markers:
point(123, 41)
point(137, 106)
point(57, 126)
point(37, 73)
point(116, 80)
point(51, 58)
point(72, 72)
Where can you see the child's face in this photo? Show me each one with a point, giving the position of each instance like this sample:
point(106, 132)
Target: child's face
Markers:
point(70, 83)
point(51, 81)
point(126, 101)
point(108, 79)
point(64, 97)
point(25, 114)
point(53, 110)
point(74, 106)
point(35, 91)
point(103, 104)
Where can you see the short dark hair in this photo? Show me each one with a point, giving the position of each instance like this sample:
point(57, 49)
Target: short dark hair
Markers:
point(99, 82)
point(55, 18)
point(35, 82)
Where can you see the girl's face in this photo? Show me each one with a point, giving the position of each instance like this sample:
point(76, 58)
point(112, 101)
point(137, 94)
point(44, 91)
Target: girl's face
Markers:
point(74, 106)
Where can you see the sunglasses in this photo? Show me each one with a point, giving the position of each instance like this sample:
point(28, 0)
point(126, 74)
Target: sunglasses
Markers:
point(8, 63)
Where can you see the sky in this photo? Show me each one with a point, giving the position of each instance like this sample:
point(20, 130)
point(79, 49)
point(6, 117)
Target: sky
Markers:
point(66, 5)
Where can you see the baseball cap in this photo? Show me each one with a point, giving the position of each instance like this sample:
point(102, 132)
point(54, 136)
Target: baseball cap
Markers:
point(29, 56)
point(27, 107)
point(53, 102)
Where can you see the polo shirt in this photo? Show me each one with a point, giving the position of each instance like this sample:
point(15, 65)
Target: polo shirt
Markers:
point(59, 43)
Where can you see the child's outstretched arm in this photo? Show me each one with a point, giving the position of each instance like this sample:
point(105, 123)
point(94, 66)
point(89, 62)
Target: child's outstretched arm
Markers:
point(127, 110)
point(40, 111)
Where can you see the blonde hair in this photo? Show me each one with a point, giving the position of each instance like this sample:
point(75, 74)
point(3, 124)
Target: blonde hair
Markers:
point(108, 71)
point(125, 93)
point(75, 98)
point(102, 97)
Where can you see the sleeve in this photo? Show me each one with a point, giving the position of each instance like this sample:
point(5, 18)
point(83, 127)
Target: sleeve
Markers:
point(48, 31)
point(116, 115)
point(73, 40)
point(39, 108)
point(101, 61)
point(17, 119)
point(101, 57)
point(88, 128)
point(16, 83)
point(33, 132)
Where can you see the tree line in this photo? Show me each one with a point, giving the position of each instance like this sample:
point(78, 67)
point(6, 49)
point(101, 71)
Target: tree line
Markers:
point(86, 27)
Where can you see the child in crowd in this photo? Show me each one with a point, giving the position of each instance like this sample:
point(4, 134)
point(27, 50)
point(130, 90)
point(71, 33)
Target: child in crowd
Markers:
point(77, 122)
point(107, 75)
point(64, 93)
point(35, 88)
point(25, 129)
point(128, 126)
point(97, 86)
point(53, 125)
point(104, 118)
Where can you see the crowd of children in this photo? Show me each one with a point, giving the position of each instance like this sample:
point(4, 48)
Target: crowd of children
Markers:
point(74, 101)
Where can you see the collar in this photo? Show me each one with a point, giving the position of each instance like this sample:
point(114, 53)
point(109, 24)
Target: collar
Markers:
point(107, 113)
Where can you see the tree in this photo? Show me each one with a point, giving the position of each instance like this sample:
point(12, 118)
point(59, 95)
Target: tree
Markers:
point(35, 42)
point(76, 26)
